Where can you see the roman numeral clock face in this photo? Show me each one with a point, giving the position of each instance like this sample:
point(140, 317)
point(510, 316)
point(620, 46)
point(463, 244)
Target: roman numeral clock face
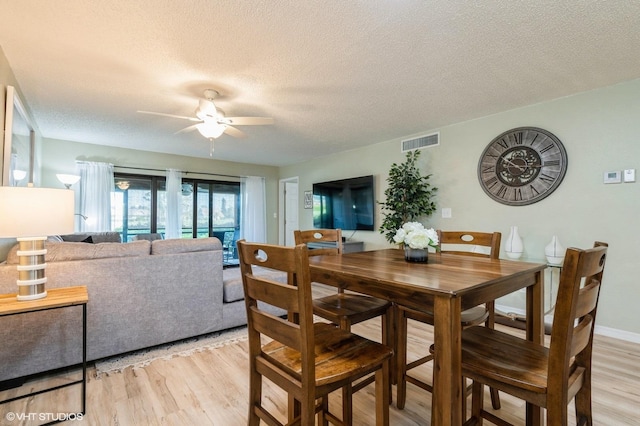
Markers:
point(522, 166)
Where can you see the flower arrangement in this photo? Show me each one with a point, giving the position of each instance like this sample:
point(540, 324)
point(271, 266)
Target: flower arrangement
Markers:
point(416, 236)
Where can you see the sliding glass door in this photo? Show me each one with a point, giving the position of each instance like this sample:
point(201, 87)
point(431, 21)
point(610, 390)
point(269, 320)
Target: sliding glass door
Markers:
point(209, 208)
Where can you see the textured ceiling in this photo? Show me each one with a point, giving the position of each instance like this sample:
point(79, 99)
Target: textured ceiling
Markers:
point(334, 74)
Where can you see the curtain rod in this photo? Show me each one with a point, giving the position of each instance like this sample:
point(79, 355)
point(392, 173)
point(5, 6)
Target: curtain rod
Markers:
point(186, 172)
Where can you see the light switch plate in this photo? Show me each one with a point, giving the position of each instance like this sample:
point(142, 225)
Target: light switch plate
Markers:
point(629, 175)
point(612, 177)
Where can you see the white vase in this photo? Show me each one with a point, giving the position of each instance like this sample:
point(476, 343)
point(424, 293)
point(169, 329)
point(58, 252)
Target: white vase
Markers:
point(554, 252)
point(513, 246)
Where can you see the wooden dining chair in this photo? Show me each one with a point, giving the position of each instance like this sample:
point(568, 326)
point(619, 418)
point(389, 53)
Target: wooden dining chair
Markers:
point(345, 309)
point(306, 359)
point(481, 244)
point(548, 377)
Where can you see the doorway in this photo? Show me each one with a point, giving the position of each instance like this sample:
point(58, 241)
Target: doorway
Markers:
point(288, 207)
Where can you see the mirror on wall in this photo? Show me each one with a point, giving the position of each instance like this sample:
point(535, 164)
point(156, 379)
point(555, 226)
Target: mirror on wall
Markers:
point(19, 141)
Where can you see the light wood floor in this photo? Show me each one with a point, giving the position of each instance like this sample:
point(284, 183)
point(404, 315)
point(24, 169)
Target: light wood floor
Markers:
point(210, 388)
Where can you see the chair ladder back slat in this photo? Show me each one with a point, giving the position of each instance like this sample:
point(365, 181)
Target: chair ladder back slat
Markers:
point(585, 313)
point(491, 240)
point(276, 328)
point(274, 293)
point(581, 335)
point(320, 236)
point(322, 251)
point(588, 299)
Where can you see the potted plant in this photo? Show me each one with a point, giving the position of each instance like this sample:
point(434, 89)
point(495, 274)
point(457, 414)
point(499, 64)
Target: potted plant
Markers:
point(408, 196)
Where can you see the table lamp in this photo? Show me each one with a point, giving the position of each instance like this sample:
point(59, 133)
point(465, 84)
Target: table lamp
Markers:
point(30, 214)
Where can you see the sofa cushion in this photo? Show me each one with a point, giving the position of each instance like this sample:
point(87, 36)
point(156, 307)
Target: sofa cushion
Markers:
point(58, 252)
point(232, 289)
point(184, 245)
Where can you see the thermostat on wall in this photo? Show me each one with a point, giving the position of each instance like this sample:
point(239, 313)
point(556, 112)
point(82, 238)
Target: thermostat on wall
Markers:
point(612, 177)
point(630, 175)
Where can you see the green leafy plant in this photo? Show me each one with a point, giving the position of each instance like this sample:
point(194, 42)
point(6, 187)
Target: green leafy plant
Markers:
point(408, 196)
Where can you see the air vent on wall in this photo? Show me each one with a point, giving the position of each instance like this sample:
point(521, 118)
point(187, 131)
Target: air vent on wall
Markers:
point(420, 142)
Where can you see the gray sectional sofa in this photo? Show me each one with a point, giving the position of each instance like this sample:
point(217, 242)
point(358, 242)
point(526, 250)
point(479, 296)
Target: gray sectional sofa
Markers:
point(141, 294)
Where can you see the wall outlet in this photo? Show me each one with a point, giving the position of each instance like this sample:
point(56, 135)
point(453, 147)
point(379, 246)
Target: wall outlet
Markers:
point(446, 212)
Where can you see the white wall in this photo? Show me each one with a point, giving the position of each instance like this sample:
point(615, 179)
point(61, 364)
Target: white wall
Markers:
point(599, 130)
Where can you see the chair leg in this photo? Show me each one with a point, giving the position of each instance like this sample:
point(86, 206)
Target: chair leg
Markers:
point(293, 408)
point(382, 397)
point(465, 395)
point(388, 338)
point(255, 397)
point(347, 404)
point(583, 401)
point(477, 402)
point(322, 417)
point(347, 391)
point(308, 413)
point(490, 323)
point(495, 398)
point(401, 359)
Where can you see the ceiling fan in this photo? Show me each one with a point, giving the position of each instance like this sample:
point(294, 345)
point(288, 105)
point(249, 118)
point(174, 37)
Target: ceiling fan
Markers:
point(211, 121)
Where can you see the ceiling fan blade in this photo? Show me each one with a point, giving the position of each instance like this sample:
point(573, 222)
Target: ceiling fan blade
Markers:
point(170, 115)
point(187, 129)
point(232, 131)
point(248, 121)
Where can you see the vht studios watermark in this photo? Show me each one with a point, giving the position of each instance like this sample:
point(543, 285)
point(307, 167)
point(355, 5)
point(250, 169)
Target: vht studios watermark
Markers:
point(43, 417)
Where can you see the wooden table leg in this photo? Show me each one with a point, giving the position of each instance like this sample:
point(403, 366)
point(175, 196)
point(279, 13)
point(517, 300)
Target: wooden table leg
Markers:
point(447, 370)
point(535, 333)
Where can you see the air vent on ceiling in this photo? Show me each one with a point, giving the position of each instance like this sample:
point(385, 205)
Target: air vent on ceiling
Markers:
point(420, 142)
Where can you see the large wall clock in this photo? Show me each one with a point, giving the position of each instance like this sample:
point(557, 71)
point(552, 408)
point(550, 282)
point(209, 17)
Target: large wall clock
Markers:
point(522, 166)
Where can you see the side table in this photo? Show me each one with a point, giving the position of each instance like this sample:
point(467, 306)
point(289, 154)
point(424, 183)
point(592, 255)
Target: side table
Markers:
point(57, 298)
point(518, 320)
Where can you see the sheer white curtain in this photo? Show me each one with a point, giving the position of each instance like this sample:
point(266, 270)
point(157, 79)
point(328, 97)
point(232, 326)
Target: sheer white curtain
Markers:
point(93, 198)
point(253, 212)
point(173, 228)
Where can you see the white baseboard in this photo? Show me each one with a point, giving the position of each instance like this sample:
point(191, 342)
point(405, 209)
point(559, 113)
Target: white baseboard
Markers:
point(617, 334)
point(601, 330)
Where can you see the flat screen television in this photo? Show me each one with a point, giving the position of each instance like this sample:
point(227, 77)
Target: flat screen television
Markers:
point(345, 204)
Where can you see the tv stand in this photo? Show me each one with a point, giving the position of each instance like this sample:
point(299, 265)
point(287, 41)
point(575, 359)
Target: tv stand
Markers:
point(347, 246)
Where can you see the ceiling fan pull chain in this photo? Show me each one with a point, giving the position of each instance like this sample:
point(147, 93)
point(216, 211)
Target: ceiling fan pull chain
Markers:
point(211, 150)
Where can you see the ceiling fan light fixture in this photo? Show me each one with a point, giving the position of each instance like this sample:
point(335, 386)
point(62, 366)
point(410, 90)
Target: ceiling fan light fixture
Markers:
point(123, 185)
point(211, 130)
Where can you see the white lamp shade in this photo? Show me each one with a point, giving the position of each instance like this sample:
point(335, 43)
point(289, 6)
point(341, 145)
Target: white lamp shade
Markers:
point(211, 129)
point(35, 212)
point(18, 175)
point(68, 179)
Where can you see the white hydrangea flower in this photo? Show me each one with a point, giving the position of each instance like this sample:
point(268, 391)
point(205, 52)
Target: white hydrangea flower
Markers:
point(415, 235)
point(400, 235)
point(412, 226)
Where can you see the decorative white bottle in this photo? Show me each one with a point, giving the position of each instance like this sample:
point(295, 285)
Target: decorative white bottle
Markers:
point(513, 246)
point(554, 252)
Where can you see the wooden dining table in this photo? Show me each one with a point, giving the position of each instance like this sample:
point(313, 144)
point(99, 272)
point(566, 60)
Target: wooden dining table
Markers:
point(447, 284)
